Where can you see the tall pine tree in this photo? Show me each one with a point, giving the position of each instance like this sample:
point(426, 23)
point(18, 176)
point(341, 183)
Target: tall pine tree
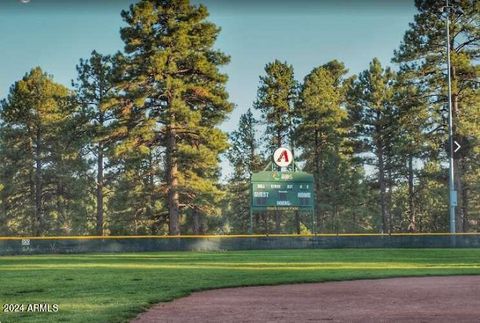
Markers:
point(244, 156)
point(45, 173)
point(422, 56)
point(375, 113)
point(175, 95)
point(322, 136)
point(95, 88)
point(276, 97)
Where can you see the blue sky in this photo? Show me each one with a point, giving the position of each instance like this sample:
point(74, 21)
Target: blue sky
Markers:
point(55, 34)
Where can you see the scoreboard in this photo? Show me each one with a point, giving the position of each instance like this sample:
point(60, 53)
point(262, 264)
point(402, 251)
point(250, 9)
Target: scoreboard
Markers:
point(282, 190)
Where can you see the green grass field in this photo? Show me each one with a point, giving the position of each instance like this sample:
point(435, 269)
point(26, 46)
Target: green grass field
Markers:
point(115, 287)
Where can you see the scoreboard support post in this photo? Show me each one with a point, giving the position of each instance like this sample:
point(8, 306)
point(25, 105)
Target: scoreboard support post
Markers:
point(251, 217)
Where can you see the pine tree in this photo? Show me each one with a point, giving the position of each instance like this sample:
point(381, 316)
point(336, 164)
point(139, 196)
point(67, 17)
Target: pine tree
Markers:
point(95, 88)
point(44, 171)
point(199, 190)
point(136, 204)
point(244, 156)
point(175, 95)
point(422, 56)
point(322, 136)
point(411, 148)
point(376, 117)
point(276, 97)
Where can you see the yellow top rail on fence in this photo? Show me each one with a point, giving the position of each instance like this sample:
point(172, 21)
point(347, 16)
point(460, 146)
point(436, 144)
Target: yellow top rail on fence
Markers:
point(237, 236)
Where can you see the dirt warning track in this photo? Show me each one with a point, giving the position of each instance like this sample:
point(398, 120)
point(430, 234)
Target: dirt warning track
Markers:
point(426, 299)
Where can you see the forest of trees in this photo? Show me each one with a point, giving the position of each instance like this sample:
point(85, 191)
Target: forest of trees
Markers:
point(134, 146)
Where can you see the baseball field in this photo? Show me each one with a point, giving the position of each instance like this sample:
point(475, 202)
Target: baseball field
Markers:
point(117, 287)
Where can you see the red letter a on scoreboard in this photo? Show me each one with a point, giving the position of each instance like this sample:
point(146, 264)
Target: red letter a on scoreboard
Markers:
point(283, 155)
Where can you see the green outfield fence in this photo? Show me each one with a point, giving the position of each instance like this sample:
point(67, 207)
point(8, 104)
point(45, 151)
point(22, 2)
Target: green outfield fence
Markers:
point(89, 244)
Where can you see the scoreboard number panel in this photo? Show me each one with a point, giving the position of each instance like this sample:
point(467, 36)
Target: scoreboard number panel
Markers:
point(282, 190)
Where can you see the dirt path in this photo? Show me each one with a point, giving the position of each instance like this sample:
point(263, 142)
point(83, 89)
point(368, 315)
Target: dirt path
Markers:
point(429, 299)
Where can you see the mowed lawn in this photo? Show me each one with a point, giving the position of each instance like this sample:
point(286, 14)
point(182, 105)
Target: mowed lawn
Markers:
point(116, 287)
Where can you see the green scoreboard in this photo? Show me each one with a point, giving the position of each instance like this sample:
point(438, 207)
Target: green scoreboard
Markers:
point(282, 191)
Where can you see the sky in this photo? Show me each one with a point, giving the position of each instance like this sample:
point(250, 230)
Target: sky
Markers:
point(55, 34)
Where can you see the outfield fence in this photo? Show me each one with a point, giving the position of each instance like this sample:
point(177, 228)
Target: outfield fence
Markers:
point(90, 244)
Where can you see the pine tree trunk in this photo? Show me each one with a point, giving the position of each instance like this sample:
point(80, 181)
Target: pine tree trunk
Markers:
point(354, 221)
point(150, 212)
point(335, 219)
point(38, 187)
point(172, 183)
point(100, 190)
point(265, 222)
point(412, 226)
point(33, 223)
point(61, 207)
point(195, 221)
point(381, 182)
point(464, 199)
point(465, 223)
point(389, 199)
point(320, 218)
point(277, 221)
point(320, 222)
point(3, 224)
point(297, 222)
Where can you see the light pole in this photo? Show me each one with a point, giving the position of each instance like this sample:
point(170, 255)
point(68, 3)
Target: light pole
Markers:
point(451, 182)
